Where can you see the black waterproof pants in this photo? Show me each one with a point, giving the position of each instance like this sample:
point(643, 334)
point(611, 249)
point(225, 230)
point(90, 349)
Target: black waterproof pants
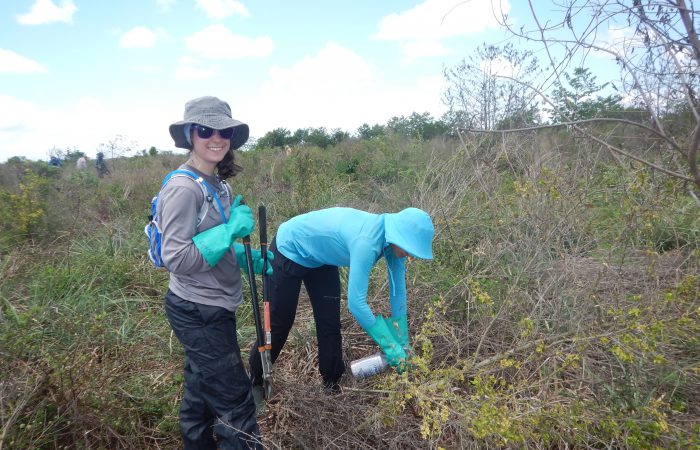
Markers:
point(217, 399)
point(323, 286)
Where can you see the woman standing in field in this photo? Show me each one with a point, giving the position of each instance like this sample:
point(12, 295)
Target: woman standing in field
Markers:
point(205, 281)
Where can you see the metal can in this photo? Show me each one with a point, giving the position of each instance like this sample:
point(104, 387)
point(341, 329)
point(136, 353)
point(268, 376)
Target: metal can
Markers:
point(368, 366)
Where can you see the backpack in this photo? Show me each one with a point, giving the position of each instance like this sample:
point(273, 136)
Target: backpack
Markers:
point(152, 229)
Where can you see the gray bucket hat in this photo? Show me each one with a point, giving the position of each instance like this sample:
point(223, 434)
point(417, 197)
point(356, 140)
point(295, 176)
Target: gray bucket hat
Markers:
point(210, 112)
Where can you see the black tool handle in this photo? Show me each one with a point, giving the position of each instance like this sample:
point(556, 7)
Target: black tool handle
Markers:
point(253, 291)
point(262, 225)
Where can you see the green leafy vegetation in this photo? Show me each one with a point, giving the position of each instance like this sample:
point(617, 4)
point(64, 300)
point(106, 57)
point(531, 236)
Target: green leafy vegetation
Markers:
point(562, 308)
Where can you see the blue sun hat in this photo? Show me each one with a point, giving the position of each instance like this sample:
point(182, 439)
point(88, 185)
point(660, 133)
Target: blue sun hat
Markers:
point(412, 230)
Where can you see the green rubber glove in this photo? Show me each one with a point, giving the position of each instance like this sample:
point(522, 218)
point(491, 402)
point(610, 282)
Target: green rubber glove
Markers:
point(381, 334)
point(399, 330)
point(239, 250)
point(215, 242)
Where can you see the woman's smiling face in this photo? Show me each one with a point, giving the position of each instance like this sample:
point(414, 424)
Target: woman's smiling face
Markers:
point(208, 152)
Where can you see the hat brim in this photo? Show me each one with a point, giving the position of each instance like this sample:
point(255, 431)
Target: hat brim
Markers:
point(240, 136)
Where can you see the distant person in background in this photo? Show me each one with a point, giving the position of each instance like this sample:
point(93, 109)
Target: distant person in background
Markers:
point(309, 249)
point(206, 286)
point(81, 164)
point(101, 166)
point(55, 161)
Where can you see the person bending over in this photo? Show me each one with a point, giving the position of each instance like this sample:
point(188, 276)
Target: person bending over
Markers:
point(309, 249)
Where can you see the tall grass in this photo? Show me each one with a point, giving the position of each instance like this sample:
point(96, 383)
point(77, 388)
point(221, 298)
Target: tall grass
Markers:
point(561, 310)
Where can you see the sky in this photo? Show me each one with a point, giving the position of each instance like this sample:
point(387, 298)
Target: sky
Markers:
point(79, 74)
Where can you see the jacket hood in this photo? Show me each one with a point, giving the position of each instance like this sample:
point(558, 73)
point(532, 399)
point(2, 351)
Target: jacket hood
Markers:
point(412, 230)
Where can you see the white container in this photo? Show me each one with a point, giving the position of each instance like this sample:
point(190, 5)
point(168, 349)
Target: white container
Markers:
point(368, 366)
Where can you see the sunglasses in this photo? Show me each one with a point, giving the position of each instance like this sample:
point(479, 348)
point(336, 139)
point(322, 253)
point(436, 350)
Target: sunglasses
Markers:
point(207, 132)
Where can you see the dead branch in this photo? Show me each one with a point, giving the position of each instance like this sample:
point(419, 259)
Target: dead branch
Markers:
point(607, 145)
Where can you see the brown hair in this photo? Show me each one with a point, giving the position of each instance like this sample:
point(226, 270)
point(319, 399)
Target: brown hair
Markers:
point(227, 167)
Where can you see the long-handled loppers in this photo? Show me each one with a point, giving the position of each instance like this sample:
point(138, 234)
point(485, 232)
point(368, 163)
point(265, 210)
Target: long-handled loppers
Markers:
point(263, 335)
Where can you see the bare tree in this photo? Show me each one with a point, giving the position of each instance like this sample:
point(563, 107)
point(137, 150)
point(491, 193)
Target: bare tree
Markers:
point(657, 52)
point(117, 147)
point(478, 96)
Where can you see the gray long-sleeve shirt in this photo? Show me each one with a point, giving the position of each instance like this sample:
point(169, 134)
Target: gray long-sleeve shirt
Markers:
point(191, 277)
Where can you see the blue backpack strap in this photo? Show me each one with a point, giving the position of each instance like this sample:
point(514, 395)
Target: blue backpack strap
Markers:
point(202, 182)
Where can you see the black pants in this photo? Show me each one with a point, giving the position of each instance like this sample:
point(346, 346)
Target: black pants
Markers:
point(217, 399)
point(323, 287)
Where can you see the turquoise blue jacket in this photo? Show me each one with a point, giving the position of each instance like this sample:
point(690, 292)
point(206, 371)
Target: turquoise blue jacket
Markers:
point(347, 237)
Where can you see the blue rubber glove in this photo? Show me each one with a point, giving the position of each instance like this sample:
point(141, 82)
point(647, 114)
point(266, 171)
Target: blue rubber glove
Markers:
point(380, 332)
point(239, 250)
point(215, 242)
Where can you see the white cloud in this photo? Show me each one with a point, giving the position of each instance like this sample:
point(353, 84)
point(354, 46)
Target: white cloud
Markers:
point(145, 69)
point(36, 129)
point(11, 62)
point(220, 9)
point(187, 59)
point(218, 42)
point(342, 64)
point(48, 128)
point(188, 72)
point(500, 67)
point(439, 19)
point(615, 41)
point(45, 11)
point(13, 113)
point(422, 27)
point(138, 37)
point(619, 35)
point(416, 50)
point(335, 88)
point(164, 5)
